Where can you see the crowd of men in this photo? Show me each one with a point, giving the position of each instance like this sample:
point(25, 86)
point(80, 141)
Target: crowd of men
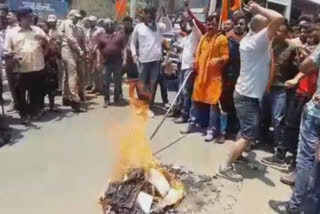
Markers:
point(254, 74)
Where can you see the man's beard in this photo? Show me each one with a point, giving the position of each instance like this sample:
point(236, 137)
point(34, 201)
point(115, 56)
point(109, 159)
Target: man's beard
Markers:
point(128, 30)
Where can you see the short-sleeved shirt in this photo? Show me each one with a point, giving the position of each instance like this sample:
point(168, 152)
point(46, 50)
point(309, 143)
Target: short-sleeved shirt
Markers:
point(27, 47)
point(255, 64)
point(111, 46)
point(314, 105)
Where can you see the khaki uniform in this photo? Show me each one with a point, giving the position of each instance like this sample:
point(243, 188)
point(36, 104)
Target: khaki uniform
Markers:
point(72, 54)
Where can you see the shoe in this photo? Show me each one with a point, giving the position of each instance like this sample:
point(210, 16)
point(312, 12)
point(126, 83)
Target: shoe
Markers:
point(166, 105)
point(106, 104)
point(221, 139)
point(66, 102)
point(174, 113)
point(289, 179)
point(76, 107)
point(209, 137)
point(274, 161)
point(180, 120)
point(121, 102)
point(150, 114)
point(282, 207)
point(89, 88)
point(229, 174)
point(25, 120)
point(189, 128)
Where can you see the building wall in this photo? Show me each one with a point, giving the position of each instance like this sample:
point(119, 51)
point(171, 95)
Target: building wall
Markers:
point(99, 8)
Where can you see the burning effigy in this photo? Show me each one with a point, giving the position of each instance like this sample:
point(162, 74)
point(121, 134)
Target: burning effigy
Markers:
point(140, 184)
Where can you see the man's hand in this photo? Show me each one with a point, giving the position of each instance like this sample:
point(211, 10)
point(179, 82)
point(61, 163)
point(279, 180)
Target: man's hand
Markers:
point(215, 61)
point(135, 59)
point(252, 7)
point(291, 83)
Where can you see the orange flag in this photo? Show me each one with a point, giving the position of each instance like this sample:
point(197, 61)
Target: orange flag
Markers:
point(121, 8)
point(225, 10)
point(236, 5)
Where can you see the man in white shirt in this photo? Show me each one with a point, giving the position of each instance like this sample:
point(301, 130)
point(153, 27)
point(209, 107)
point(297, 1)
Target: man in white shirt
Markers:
point(190, 44)
point(146, 47)
point(253, 80)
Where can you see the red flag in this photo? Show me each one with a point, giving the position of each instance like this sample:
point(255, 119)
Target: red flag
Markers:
point(121, 8)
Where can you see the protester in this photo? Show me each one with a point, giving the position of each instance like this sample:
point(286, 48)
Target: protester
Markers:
point(227, 26)
point(129, 66)
point(252, 83)
point(287, 137)
point(308, 139)
point(26, 43)
point(274, 101)
point(312, 204)
point(230, 76)
point(52, 55)
point(94, 76)
point(72, 53)
point(10, 65)
point(111, 45)
point(189, 47)
point(146, 47)
point(212, 55)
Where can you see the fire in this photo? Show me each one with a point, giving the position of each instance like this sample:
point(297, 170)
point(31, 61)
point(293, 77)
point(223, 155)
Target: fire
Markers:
point(135, 150)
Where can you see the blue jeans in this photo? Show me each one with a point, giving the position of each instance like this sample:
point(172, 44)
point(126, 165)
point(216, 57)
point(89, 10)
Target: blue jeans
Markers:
point(113, 69)
point(275, 102)
point(308, 140)
point(185, 99)
point(287, 137)
point(312, 205)
point(248, 111)
point(198, 113)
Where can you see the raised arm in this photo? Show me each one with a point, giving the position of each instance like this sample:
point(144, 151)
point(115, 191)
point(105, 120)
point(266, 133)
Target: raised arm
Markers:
point(199, 24)
point(275, 19)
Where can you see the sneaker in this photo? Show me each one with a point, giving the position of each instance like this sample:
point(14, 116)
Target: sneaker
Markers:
point(274, 161)
point(150, 114)
point(180, 120)
point(289, 179)
point(221, 139)
point(229, 174)
point(209, 137)
point(106, 104)
point(189, 128)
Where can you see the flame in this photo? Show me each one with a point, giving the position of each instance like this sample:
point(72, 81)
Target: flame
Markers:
point(135, 150)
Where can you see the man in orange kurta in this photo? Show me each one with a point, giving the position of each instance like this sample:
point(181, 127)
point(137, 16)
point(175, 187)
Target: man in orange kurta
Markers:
point(212, 55)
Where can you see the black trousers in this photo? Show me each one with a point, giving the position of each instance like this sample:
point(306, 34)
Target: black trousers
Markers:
point(33, 83)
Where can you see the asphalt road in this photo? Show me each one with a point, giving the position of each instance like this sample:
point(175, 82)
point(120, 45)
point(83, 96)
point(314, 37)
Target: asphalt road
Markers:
point(61, 165)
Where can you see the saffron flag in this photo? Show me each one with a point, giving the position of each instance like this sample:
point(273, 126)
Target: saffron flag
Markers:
point(121, 8)
point(236, 5)
point(229, 6)
point(225, 10)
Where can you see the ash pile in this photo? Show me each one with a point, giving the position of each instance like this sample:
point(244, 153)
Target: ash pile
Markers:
point(167, 189)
